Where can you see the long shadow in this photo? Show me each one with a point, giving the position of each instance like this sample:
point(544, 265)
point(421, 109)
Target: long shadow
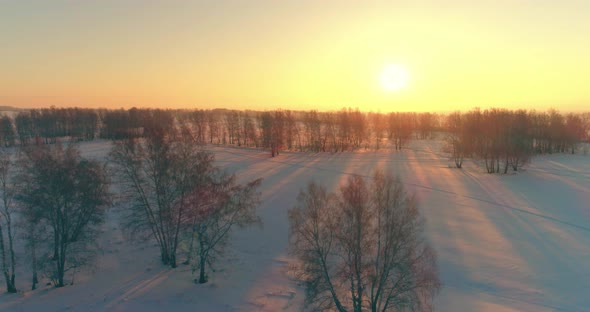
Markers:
point(541, 240)
point(270, 289)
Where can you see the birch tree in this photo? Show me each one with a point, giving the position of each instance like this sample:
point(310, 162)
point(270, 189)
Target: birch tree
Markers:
point(158, 176)
point(363, 248)
point(69, 194)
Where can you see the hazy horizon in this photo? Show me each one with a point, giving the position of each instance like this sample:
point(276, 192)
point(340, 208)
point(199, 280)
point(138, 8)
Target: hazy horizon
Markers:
point(168, 107)
point(297, 55)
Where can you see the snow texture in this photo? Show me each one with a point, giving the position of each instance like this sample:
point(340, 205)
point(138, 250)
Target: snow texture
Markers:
point(516, 242)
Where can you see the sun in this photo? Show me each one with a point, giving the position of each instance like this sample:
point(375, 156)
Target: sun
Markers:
point(394, 78)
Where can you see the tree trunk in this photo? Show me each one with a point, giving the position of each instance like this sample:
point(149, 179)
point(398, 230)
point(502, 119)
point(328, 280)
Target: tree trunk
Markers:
point(12, 257)
point(55, 247)
point(164, 255)
point(61, 264)
point(190, 247)
point(35, 280)
point(489, 167)
point(10, 283)
point(173, 260)
point(202, 274)
point(34, 265)
point(60, 273)
point(10, 287)
point(202, 261)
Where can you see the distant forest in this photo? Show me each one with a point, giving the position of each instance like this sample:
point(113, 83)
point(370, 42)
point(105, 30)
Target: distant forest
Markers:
point(501, 138)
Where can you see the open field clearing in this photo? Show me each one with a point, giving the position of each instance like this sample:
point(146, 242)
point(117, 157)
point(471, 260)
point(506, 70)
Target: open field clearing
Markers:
point(515, 242)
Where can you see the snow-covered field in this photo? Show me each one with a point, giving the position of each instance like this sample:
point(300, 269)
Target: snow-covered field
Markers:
point(517, 242)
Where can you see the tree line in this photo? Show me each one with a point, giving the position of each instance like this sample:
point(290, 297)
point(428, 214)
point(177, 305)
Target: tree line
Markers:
point(505, 139)
point(475, 133)
point(47, 125)
point(305, 131)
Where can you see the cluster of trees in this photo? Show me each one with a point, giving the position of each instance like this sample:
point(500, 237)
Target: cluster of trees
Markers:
point(173, 194)
point(135, 123)
point(178, 197)
point(363, 248)
point(506, 139)
point(311, 131)
point(48, 125)
point(59, 199)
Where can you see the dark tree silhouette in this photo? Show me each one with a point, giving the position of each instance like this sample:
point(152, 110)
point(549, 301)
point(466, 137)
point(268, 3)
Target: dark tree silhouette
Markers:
point(363, 249)
point(6, 222)
point(67, 193)
point(176, 194)
point(215, 209)
point(157, 177)
point(7, 133)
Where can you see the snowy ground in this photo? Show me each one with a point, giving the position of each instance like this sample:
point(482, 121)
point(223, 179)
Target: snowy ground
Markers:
point(518, 242)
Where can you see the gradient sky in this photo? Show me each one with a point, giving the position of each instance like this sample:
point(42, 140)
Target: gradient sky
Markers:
point(295, 54)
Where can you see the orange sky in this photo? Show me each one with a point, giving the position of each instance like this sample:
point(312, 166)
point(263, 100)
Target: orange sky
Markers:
point(295, 54)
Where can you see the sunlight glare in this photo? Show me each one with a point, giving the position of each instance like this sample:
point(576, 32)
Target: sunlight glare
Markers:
point(394, 77)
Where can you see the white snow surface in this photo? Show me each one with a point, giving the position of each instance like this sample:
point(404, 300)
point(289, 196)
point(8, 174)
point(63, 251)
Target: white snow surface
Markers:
point(515, 242)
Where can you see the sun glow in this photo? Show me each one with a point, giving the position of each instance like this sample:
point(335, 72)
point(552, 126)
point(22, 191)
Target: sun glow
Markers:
point(394, 78)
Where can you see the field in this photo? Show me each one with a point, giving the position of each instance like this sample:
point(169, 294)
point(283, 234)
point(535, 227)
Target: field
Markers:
point(516, 242)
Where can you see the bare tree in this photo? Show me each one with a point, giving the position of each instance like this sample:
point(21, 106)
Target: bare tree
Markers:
point(426, 124)
point(312, 125)
point(177, 195)
point(215, 210)
point(359, 127)
point(24, 127)
point(575, 131)
point(354, 237)
point(35, 235)
point(7, 132)
point(344, 127)
point(69, 194)
point(313, 241)
point(329, 132)
point(404, 274)
point(456, 138)
point(290, 128)
point(158, 176)
point(233, 123)
point(271, 126)
point(198, 120)
point(248, 127)
point(363, 249)
point(6, 213)
point(399, 129)
point(378, 124)
point(520, 143)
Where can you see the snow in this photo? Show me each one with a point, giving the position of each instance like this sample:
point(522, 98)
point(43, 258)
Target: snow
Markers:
point(516, 242)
